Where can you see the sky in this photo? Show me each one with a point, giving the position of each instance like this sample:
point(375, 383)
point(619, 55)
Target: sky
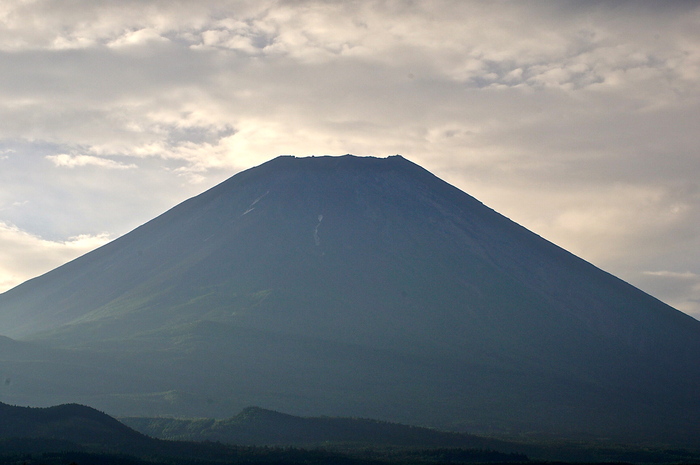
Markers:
point(579, 120)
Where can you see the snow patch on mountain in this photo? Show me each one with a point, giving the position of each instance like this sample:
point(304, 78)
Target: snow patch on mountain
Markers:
point(317, 240)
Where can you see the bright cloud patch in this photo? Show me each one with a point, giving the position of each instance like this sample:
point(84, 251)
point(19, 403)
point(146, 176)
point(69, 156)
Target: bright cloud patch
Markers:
point(674, 274)
point(24, 255)
point(72, 161)
point(679, 289)
point(137, 38)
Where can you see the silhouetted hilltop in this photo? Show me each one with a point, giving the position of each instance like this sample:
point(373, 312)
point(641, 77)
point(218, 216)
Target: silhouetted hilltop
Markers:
point(72, 423)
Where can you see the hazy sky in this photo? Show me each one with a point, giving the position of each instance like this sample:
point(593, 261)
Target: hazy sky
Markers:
point(580, 120)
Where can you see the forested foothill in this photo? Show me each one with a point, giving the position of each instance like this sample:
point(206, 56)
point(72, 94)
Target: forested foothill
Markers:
point(77, 434)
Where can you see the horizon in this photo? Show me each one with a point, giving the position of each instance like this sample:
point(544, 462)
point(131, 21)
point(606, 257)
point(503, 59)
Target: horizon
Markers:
point(576, 121)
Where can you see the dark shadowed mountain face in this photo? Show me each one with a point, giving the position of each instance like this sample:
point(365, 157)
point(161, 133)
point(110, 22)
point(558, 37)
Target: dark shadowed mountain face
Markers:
point(361, 287)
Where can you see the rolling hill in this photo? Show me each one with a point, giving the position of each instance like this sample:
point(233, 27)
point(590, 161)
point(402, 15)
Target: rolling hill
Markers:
point(69, 422)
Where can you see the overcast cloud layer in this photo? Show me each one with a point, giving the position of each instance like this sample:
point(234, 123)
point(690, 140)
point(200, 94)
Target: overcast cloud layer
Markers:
point(578, 120)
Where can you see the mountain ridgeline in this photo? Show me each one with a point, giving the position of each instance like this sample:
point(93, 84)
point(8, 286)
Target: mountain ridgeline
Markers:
point(353, 286)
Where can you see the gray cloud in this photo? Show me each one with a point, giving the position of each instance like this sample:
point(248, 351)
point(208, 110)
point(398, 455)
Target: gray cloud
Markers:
point(576, 119)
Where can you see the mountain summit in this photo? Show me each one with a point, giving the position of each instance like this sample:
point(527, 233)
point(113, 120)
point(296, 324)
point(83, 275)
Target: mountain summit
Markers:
point(358, 287)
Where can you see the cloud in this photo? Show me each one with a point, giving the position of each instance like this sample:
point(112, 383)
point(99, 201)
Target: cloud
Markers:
point(674, 274)
point(72, 161)
point(24, 255)
point(138, 38)
point(681, 289)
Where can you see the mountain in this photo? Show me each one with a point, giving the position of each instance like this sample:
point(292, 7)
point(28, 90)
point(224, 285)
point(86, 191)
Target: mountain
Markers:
point(351, 286)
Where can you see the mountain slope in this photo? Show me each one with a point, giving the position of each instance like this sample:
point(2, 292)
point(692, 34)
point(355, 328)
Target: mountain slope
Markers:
point(364, 287)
